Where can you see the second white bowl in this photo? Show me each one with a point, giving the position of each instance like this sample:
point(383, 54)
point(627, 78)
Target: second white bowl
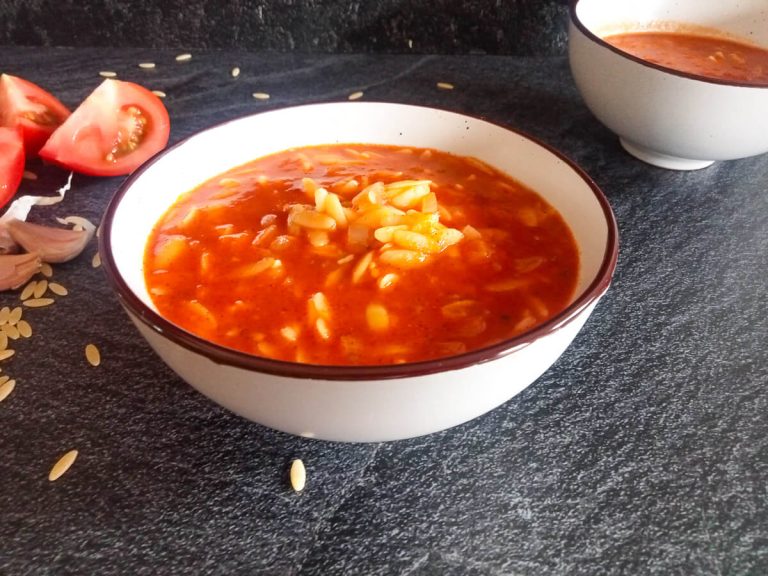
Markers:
point(665, 117)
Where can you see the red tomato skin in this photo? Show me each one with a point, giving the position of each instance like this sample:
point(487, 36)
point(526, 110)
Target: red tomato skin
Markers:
point(31, 109)
point(11, 163)
point(84, 141)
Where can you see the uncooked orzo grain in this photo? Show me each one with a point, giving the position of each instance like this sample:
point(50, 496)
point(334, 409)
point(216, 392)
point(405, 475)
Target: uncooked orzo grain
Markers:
point(93, 355)
point(298, 475)
point(6, 388)
point(28, 290)
point(62, 465)
point(57, 289)
point(38, 302)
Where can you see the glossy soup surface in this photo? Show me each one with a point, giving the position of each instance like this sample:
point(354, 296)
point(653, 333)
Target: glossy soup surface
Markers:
point(708, 56)
point(360, 254)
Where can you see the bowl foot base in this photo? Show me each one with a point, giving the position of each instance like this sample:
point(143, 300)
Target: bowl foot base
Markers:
point(663, 160)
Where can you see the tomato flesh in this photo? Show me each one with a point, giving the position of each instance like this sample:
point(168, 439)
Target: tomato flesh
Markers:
point(29, 108)
point(11, 163)
point(116, 129)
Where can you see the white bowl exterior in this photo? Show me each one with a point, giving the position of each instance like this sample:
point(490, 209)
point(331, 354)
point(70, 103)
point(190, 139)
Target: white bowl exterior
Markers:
point(359, 410)
point(371, 410)
point(670, 114)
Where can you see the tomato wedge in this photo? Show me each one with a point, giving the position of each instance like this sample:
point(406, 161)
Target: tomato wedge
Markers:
point(35, 112)
point(11, 163)
point(116, 128)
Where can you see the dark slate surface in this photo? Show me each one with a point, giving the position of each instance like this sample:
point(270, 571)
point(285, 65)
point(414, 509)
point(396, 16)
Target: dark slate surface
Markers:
point(643, 450)
point(393, 26)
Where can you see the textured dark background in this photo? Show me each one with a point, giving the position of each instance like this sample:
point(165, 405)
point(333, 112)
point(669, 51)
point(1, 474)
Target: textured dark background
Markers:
point(643, 450)
point(516, 27)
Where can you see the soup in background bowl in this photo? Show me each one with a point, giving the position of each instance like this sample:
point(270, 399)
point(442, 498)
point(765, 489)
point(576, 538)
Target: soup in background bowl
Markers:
point(374, 400)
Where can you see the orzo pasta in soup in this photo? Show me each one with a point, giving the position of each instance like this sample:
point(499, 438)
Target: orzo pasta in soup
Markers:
point(360, 255)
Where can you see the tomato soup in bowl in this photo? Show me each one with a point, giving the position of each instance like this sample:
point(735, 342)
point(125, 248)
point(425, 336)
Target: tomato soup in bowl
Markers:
point(367, 272)
point(682, 84)
point(355, 254)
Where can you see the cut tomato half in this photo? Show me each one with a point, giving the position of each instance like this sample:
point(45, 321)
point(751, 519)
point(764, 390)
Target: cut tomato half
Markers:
point(33, 111)
point(116, 129)
point(11, 163)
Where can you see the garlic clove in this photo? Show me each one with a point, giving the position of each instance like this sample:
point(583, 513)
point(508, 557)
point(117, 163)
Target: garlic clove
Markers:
point(7, 244)
point(52, 244)
point(16, 269)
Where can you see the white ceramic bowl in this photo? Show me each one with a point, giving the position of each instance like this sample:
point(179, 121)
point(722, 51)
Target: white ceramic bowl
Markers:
point(362, 403)
point(664, 117)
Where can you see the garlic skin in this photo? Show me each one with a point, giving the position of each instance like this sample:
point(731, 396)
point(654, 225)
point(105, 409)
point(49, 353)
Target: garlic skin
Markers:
point(53, 245)
point(16, 269)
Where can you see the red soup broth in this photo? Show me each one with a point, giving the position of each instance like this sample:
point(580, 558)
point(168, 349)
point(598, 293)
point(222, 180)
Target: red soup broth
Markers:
point(708, 56)
point(360, 255)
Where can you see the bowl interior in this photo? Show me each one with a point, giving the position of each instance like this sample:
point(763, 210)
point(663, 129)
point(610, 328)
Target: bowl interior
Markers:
point(149, 192)
point(746, 19)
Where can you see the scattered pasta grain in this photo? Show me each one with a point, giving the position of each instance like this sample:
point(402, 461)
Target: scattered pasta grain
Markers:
point(6, 388)
point(235, 72)
point(46, 270)
point(26, 293)
point(11, 331)
point(93, 355)
point(355, 95)
point(146, 65)
point(298, 475)
point(40, 289)
point(57, 289)
point(3, 342)
point(62, 465)
point(159, 93)
point(5, 313)
point(260, 95)
point(186, 57)
point(25, 330)
point(96, 260)
point(15, 315)
point(107, 74)
point(445, 85)
point(38, 302)
point(7, 353)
